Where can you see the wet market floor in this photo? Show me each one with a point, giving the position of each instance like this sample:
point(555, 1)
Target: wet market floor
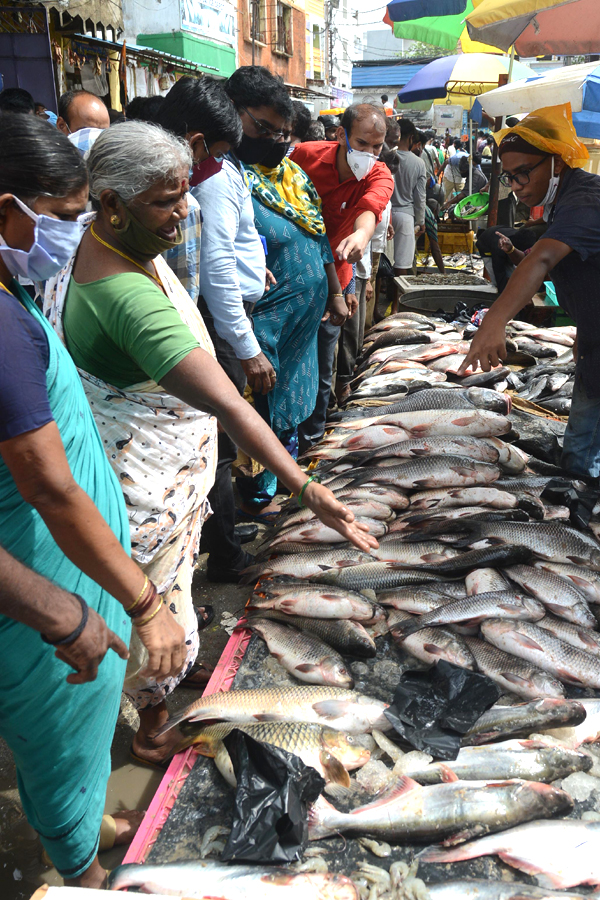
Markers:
point(130, 786)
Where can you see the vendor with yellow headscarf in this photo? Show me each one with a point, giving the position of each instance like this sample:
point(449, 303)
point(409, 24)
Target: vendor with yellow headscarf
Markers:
point(542, 159)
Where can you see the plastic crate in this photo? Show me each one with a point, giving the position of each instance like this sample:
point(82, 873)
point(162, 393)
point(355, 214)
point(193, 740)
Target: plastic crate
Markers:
point(454, 242)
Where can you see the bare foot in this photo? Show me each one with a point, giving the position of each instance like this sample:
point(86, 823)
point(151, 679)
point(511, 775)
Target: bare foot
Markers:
point(127, 821)
point(146, 744)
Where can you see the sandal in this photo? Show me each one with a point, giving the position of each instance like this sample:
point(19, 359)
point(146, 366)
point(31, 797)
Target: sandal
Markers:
point(205, 620)
point(267, 518)
point(190, 681)
point(140, 761)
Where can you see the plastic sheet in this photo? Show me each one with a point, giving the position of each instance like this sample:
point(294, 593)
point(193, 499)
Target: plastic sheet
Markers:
point(273, 789)
point(432, 710)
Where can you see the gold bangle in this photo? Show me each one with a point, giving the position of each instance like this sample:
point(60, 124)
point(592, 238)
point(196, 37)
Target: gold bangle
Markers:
point(331, 296)
point(139, 596)
point(151, 616)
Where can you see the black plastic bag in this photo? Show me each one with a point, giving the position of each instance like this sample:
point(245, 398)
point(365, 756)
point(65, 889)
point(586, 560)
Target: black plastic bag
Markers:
point(432, 710)
point(270, 823)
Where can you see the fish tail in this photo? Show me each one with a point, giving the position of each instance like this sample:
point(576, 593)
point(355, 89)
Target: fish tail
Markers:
point(317, 828)
point(456, 854)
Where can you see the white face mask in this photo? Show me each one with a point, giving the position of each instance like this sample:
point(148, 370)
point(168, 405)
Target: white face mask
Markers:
point(360, 161)
point(54, 243)
point(551, 192)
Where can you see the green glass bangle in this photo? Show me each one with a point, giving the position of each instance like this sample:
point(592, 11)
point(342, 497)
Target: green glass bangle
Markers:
point(305, 485)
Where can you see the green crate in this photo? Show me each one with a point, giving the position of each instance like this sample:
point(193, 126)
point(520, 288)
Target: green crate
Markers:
point(562, 318)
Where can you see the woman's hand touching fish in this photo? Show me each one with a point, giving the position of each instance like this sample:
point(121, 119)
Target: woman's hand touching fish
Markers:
point(334, 514)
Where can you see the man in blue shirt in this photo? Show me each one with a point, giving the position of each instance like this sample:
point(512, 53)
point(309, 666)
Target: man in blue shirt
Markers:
point(542, 159)
point(232, 278)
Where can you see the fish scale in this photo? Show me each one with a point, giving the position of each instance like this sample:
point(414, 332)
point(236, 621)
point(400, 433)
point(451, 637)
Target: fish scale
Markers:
point(512, 674)
point(500, 604)
point(430, 645)
point(430, 472)
point(547, 540)
point(560, 597)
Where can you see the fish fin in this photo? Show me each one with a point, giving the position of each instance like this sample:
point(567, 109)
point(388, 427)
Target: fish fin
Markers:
point(330, 596)
point(586, 639)
point(440, 855)
point(465, 835)
point(433, 649)
point(417, 430)
point(447, 774)
point(578, 560)
point(306, 668)
point(578, 580)
point(428, 482)
point(404, 629)
point(287, 606)
point(398, 787)
point(369, 594)
point(526, 643)
point(568, 677)
point(556, 608)
point(331, 709)
point(334, 769)
point(268, 717)
point(464, 420)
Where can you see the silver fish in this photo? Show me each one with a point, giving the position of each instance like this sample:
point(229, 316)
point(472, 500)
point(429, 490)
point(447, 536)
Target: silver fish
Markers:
point(375, 576)
point(415, 600)
point(586, 581)
point(449, 498)
point(531, 760)
point(431, 644)
point(546, 540)
point(578, 636)
point(472, 610)
point(431, 472)
point(347, 637)
point(410, 811)
point(383, 493)
point(512, 674)
point(558, 596)
point(396, 551)
point(317, 532)
point(303, 565)
point(524, 719)
point(560, 854)
point(205, 878)
point(540, 647)
point(474, 422)
point(304, 656)
point(309, 600)
point(475, 889)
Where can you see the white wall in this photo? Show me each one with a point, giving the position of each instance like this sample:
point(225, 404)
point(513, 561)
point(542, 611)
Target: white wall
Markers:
point(150, 17)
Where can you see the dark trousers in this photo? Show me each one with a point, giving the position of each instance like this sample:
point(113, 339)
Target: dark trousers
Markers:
point(487, 244)
point(312, 429)
point(218, 533)
point(352, 335)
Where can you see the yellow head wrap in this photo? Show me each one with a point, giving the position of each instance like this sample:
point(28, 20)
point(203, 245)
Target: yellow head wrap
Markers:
point(551, 130)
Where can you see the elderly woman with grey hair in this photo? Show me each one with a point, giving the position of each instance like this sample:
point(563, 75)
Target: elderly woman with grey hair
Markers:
point(155, 388)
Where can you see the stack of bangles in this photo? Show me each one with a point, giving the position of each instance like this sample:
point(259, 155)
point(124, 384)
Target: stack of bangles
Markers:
point(144, 602)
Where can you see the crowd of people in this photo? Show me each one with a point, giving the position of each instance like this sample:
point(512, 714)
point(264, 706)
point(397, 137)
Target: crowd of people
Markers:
point(159, 269)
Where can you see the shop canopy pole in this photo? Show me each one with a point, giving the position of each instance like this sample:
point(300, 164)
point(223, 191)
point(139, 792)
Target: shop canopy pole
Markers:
point(494, 178)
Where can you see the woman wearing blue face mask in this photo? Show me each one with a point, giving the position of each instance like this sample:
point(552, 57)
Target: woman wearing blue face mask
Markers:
point(62, 514)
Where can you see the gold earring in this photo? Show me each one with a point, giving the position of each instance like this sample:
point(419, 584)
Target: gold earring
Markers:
point(114, 221)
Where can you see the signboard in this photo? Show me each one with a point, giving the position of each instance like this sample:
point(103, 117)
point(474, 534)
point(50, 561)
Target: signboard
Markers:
point(213, 19)
point(448, 117)
point(341, 97)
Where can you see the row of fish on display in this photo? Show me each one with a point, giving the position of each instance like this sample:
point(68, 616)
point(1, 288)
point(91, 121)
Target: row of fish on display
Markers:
point(474, 567)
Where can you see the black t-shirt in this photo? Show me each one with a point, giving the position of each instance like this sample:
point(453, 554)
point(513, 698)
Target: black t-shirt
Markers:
point(575, 220)
point(24, 357)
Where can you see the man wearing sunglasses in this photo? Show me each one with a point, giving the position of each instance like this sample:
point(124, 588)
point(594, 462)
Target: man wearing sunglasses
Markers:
point(542, 158)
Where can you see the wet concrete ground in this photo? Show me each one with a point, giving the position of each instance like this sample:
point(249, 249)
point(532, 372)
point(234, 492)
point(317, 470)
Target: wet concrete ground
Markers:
point(130, 786)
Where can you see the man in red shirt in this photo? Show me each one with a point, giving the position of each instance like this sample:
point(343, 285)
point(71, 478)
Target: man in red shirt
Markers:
point(355, 188)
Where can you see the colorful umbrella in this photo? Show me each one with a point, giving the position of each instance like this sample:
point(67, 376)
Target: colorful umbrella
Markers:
point(439, 31)
point(537, 27)
point(465, 75)
point(402, 10)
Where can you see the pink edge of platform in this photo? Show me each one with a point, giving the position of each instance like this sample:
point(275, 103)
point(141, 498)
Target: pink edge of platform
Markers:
point(182, 764)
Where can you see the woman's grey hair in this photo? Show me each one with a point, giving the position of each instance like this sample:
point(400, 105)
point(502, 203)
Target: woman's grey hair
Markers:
point(131, 157)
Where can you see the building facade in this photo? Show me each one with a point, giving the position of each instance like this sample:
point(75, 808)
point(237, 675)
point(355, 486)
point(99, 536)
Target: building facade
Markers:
point(272, 33)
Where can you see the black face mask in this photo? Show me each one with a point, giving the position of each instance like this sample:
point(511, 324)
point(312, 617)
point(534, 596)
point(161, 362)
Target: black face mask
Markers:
point(275, 156)
point(253, 150)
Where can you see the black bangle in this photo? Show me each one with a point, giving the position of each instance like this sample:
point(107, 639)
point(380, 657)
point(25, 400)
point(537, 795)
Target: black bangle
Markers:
point(74, 634)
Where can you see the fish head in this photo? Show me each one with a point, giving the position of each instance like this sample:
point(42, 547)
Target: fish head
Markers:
point(543, 800)
point(346, 748)
point(484, 398)
point(335, 671)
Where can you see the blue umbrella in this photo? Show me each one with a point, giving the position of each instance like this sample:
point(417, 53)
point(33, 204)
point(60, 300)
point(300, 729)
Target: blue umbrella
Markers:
point(404, 10)
point(469, 74)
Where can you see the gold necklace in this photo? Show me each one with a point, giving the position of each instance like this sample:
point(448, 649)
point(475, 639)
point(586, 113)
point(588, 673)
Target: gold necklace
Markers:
point(124, 255)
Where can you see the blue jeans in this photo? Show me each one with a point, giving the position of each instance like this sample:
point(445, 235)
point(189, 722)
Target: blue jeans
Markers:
point(581, 450)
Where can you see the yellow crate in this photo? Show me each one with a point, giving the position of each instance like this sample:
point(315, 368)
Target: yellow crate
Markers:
point(454, 242)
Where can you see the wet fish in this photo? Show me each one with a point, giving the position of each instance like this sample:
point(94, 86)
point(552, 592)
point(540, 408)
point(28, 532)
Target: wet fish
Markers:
point(531, 760)
point(540, 647)
point(330, 752)
point(472, 422)
point(304, 656)
point(584, 579)
point(410, 811)
point(395, 550)
point(481, 379)
point(482, 581)
point(302, 565)
point(383, 493)
point(512, 674)
point(430, 645)
point(442, 398)
point(546, 540)
point(524, 719)
point(302, 599)
point(586, 732)
point(505, 554)
point(370, 437)
point(369, 507)
point(451, 498)
point(204, 878)
point(473, 610)
point(347, 637)
point(559, 597)
point(431, 472)
point(560, 854)
point(415, 600)
point(577, 635)
point(334, 707)
point(375, 576)
point(317, 532)
point(475, 889)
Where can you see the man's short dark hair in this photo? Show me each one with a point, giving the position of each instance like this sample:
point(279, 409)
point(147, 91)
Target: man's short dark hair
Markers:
point(429, 135)
point(420, 137)
point(477, 159)
point(145, 109)
point(358, 111)
point(201, 104)
point(384, 98)
point(115, 116)
point(392, 132)
point(301, 119)
point(457, 143)
point(252, 86)
point(16, 100)
point(316, 132)
point(65, 100)
point(407, 128)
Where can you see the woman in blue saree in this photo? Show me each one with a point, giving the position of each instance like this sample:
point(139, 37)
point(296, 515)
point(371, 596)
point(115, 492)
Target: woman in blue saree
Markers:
point(286, 319)
point(62, 514)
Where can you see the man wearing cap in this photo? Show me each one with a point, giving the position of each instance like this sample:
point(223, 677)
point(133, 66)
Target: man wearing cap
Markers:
point(542, 160)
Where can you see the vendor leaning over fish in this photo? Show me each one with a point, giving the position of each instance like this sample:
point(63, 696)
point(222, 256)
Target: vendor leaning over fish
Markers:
point(542, 161)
